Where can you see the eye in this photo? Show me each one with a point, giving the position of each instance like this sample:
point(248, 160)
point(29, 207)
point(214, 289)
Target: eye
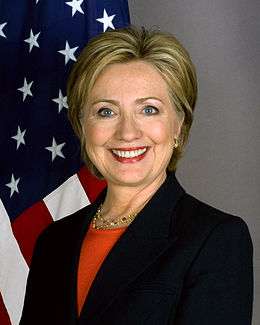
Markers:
point(105, 112)
point(150, 110)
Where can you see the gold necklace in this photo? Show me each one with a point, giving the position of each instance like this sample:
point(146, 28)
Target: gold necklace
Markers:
point(108, 224)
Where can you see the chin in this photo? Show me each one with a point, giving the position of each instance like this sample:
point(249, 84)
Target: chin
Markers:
point(130, 179)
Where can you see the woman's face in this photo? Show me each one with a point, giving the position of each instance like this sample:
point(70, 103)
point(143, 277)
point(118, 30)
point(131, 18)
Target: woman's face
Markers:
point(130, 124)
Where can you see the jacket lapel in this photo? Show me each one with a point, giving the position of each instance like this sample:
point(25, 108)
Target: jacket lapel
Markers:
point(146, 238)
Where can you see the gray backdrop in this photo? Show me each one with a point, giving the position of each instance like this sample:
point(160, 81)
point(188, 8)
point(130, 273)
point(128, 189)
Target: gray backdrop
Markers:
point(222, 160)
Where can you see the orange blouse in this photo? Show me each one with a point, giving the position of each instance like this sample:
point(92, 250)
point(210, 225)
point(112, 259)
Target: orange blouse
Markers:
point(96, 245)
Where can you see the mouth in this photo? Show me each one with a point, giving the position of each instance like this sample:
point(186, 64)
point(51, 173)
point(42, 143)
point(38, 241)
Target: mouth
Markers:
point(129, 155)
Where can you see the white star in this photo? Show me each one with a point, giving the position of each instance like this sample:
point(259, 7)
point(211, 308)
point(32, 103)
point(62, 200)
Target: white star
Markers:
point(106, 21)
point(61, 100)
point(55, 149)
point(19, 137)
point(1, 30)
point(37, 1)
point(32, 40)
point(76, 6)
point(68, 53)
point(26, 89)
point(13, 185)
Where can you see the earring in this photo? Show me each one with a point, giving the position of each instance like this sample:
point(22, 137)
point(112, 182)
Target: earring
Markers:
point(176, 143)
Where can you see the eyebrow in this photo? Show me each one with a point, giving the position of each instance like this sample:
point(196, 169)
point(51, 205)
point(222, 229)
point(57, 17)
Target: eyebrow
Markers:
point(115, 102)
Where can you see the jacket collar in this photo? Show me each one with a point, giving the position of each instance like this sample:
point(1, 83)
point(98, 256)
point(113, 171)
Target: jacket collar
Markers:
point(145, 239)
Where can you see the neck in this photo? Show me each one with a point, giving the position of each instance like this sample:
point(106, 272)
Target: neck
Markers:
point(122, 200)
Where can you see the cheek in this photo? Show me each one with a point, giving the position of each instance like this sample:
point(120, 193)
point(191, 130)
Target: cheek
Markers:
point(161, 132)
point(96, 136)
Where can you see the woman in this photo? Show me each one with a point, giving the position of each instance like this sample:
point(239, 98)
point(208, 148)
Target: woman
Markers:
point(145, 252)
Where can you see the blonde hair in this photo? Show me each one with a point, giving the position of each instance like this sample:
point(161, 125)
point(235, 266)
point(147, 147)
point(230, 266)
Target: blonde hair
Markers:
point(162, 50)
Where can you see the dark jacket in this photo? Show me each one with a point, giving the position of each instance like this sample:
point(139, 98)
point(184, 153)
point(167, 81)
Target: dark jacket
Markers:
point(180, 262)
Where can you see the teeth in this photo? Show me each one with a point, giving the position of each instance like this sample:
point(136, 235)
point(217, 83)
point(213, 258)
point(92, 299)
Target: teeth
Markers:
point(129, 154)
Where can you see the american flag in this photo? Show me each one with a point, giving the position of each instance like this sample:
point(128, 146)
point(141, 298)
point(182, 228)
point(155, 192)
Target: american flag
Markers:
point(42, 178)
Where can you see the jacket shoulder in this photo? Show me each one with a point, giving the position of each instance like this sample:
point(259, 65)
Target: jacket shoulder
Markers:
point(194, 218)
point(199, 211)
point(65, 227)
point(208, 237)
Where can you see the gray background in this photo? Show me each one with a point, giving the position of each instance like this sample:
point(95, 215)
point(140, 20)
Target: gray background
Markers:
point(222, 160)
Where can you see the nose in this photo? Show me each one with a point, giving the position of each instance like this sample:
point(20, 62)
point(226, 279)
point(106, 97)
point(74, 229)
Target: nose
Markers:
point(127, 129)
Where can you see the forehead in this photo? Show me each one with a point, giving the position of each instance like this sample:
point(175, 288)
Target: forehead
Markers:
point(138, 78)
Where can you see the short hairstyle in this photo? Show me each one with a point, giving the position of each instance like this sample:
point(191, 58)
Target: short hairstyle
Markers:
point(162, 50)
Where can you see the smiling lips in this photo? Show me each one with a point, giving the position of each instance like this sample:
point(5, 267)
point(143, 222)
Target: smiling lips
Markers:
point(129, 155)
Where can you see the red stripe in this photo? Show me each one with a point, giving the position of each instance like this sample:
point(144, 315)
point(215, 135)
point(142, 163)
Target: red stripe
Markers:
point(28, 226)
point(4, 317)
point(91, 184)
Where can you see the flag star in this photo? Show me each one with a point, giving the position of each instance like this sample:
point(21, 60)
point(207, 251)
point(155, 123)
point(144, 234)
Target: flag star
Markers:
point(26, 89)
point(19, 137)
point(13, 185)
point(76, 6)
point(1, 30)
point(68, 53)
point(55, 149)
point(61, 101)
point(32, 40)
point(106, 21)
